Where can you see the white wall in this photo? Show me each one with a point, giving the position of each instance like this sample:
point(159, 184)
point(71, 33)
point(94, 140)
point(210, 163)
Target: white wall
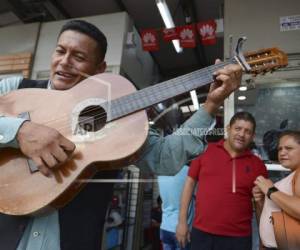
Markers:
point(20, 38)
point(138, 64)
point(259, 21)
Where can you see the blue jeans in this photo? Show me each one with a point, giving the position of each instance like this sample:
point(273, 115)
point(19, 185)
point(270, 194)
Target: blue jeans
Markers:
point(169, 241)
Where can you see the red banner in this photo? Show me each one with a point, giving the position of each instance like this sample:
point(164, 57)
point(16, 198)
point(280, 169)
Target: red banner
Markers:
point(187, 36)
point(149, 40)
point(169, 34)
point(207, 32)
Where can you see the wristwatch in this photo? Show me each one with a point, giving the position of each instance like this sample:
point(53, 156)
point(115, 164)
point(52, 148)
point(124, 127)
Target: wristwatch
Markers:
point(271, 190)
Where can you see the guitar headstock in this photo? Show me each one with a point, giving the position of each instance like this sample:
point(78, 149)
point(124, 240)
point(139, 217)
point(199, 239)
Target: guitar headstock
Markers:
point(265, 60)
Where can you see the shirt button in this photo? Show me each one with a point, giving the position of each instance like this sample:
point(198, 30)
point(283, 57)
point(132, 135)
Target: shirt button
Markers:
point(1, 137)
point(35, 234)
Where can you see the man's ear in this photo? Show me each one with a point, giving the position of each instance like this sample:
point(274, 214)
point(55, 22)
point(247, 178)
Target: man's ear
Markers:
point(226, 131)
point(101, 67)
point(254, 135)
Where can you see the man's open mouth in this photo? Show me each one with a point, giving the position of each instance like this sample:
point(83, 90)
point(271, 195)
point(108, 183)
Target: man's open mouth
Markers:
point(65, 74)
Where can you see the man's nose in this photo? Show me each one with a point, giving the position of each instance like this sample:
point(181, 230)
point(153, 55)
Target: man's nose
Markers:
point(241, 133)
point(65, 60)
point(282, 152)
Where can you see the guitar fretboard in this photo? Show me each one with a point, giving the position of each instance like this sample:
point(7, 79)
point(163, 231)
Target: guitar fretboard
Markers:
point(160, 92)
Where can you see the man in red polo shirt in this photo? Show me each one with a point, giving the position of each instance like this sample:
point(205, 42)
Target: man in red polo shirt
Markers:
point(225, 174)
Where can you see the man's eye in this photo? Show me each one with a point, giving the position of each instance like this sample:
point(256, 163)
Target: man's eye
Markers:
point(79, 58)
point(59, 51)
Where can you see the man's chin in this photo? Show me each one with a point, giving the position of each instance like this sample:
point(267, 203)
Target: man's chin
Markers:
point(61, 85)
point(240, 148)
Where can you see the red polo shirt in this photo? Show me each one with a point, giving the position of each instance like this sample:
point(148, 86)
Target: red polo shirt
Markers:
point(223, 199)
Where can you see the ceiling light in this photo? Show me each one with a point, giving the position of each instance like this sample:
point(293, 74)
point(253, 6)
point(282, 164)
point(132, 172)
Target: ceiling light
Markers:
point(160, 106)
point(168, 20)
point(194, 99)
point(243, 88)
point(185, 109)
point(176, 45)
point(242, 98)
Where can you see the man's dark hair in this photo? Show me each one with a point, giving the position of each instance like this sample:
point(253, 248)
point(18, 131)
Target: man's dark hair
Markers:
point(292, 133)
point(89, 30)
point(246, 116)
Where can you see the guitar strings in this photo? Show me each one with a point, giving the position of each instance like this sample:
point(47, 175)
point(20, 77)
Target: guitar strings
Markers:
point(168, 85)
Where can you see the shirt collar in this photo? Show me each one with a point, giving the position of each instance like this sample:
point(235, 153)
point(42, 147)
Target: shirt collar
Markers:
point(49, 85)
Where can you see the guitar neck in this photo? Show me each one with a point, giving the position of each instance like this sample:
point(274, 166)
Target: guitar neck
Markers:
point(160, 92)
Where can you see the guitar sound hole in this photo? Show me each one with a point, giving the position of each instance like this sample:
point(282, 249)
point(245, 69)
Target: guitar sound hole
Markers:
point(92, 118)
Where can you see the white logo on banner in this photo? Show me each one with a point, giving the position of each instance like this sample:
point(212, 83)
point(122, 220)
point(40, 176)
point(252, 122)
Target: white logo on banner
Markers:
point(206, 30)
point(149, 38)
point(186, 33)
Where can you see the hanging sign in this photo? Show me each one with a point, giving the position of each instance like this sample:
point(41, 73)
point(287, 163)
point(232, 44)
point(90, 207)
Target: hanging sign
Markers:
point(149, 40)
point(186, 35)
point(207, 32)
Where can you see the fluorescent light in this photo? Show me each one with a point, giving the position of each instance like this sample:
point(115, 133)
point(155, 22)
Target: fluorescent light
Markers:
point(160, 106)
point(184, 109)
point(168, 20)
point(194, 99)
point(243, 88)
point(165, 13)
point(242, 98)
point(176, 45)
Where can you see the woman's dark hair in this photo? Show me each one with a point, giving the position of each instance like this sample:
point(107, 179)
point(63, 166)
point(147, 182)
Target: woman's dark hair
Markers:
point(292, 133)
point(246, 116)
point(89, 30)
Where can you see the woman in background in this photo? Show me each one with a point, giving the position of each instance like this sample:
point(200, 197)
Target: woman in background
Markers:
point(280, 196)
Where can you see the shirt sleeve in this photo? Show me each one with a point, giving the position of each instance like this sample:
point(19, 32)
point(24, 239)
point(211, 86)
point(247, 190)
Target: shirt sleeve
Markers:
point(9, 126)
point(167, 155)
point(195, 168)
point(264, 171)
point(261, 168)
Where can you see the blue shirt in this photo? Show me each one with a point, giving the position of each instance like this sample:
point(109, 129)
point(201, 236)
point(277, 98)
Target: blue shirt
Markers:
point(170, 189)
point(163, 156)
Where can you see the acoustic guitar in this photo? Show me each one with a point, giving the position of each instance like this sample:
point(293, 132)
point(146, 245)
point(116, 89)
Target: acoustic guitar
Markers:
point(104, 116)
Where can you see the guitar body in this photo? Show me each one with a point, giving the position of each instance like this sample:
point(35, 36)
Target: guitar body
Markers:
point(25, 192)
